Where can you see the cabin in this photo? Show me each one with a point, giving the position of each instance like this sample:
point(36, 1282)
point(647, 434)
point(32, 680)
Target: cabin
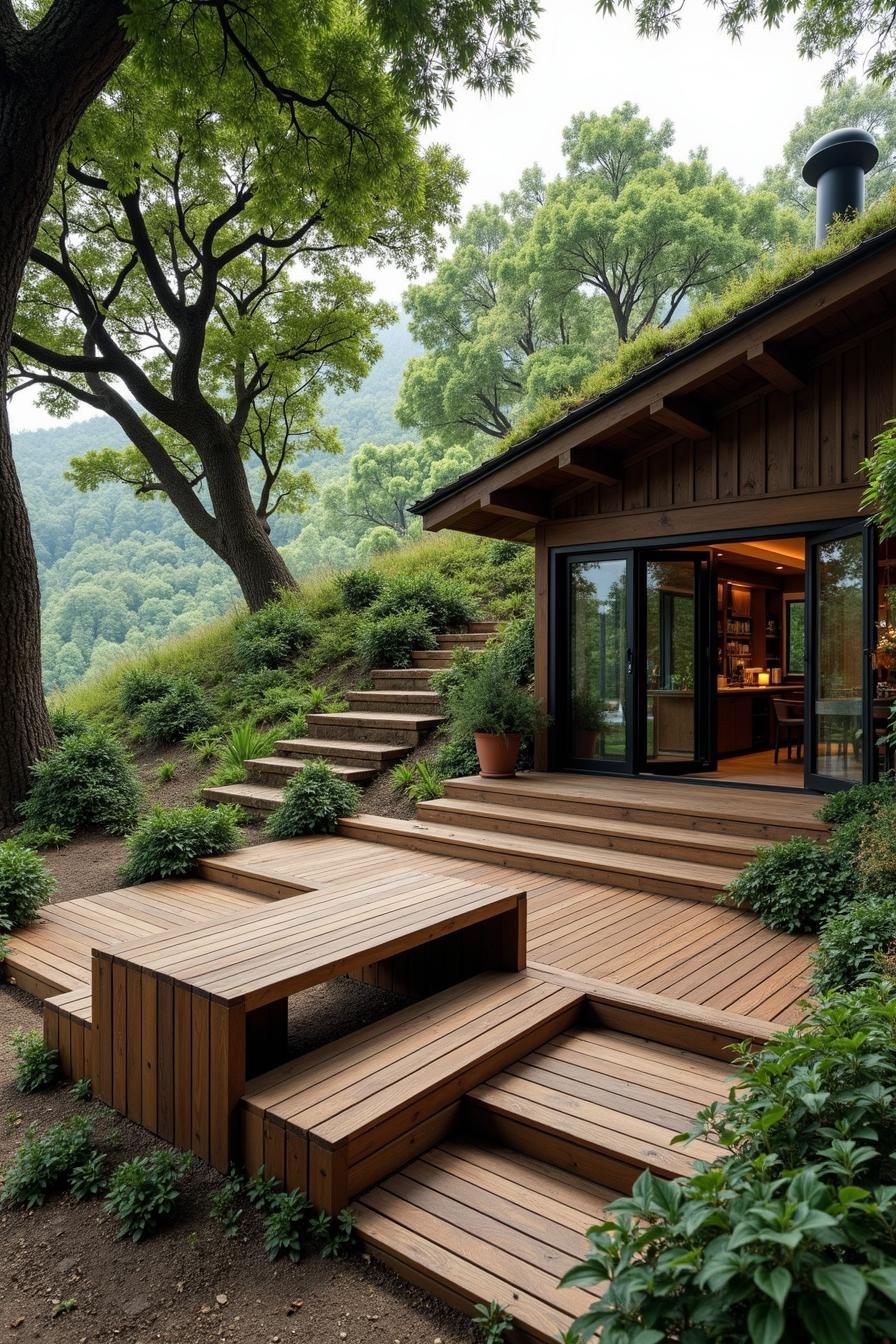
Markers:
point(711, 601)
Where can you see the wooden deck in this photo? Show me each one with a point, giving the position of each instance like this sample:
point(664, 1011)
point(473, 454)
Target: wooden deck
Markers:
point(483, 1128)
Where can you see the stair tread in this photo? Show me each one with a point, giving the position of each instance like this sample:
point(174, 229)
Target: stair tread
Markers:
point(410, 697)
point(294, 764)
point(243, 793)
point(734, 844)
point(479, 1222)
point(338, 747)
point(612, 1093)
point(608, 860)
point(377, 719)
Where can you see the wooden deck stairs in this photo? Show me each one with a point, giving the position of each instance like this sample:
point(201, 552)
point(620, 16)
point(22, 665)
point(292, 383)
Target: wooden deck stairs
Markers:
point(379, 728)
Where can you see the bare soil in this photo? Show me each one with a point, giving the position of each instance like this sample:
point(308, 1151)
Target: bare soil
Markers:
point(64, 1275)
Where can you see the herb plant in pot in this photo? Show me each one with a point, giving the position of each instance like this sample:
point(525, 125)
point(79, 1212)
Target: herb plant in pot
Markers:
point(589, 717)
point(497, 713)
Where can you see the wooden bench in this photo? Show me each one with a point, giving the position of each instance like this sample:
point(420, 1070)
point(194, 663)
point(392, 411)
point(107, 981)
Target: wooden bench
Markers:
point(342, 1117)
point(182, 1019)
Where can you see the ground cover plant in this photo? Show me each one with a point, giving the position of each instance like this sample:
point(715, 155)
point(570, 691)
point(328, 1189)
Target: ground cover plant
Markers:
point(313, 801)
point(25, 884)
point(88, 780)
point(145, 1191)
point(181, 709)
point(37, 1066)
point(62, 1158)
point(169, 841)
point(791, 1235)
point(792, 885)
point(389, 640)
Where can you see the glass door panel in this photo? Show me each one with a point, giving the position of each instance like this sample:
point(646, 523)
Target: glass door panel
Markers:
point(675, 661)
point(598, 717)
point(838, 665)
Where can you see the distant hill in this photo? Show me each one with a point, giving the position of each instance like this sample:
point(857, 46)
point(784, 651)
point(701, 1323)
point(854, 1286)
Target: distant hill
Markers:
point(119, 573)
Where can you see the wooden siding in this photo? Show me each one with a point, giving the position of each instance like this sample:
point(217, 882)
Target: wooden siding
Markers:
point(772, 444)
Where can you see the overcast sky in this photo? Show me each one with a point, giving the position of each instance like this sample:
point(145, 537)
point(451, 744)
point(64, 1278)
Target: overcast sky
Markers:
point(739, 100)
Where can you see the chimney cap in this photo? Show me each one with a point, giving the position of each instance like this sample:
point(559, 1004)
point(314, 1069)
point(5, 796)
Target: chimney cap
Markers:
point(846, 147)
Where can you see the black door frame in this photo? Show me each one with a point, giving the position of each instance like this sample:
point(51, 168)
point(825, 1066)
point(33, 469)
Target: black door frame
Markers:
point(558, 559)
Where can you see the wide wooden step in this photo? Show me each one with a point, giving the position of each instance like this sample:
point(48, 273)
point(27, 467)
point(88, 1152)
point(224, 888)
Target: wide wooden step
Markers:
point(759, 814)
point(277, 769)
point(377, 755)
point(645, 872)
point(434, 658)
point(603, 1104)
point(471, 1221)
point(397, 700)
point(484, 627)
point(256, 798)
point(472, 640)
point(376, 726)
point(632, 837)
point(337, 1120)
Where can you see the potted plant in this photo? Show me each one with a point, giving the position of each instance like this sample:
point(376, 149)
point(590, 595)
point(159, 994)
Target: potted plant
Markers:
point(589, 719)
point(496, 712)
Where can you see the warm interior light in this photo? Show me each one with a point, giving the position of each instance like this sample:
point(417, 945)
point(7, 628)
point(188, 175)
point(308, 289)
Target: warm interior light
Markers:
point(779, 566)
point(763, 678)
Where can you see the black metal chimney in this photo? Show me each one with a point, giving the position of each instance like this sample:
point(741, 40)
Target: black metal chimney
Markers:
point(836, 166)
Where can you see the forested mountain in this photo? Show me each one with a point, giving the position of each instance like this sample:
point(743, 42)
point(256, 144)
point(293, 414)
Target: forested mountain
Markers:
point(117, 572)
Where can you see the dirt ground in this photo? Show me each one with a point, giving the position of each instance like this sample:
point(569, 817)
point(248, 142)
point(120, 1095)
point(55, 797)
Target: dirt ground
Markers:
point(187, 1282)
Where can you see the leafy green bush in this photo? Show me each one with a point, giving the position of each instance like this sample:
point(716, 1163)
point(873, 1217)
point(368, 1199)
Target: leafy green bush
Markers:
point(489, 702)
point(851, 943)
point(457, 758)
point(502, 552)
point(273, 635)
point(389, 641)
point(313, 801)
point(89, 780)
point(62, 1156)
point(36, 1065)
point(285, 1223)
point(50, 837)
point(420, 782)
point(875, 859)
point(25, 884)
point(67, 722)
point(145, 1191)
point(861, 800)
point(169, 841)
point(333, 1235)
point(793, 885)
point(182, 709)
point(448, 603)
point(791, 1235)
point(358, 588)
point(138, 687)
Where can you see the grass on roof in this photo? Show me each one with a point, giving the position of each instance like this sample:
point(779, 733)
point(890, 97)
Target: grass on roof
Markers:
point(786, 266)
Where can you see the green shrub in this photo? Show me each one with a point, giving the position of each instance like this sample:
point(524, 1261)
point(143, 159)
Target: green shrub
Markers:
point(876, 855)
point(502, 552)
point(169, 841)
point(243, 743)
point(791, 1235)
point(273, 635)
point(358, 588)
point(285, 1223)
point(139, 687)
point(313, 801)
point(793, 885)
point(51, 837)
point(420, 782)
point(333, 1235)
point(448, 603)
point(861, 800)
point(62, 1156)
point(490, 702)
point(89, 780)
point(67, 722)
point(516, 650)
point(36, 1064)
point(851, 943)
point(389, 641)
point(457, 758)
point(279, 704)
point(25, 884)
point(166, 772)
point(145, 1191)
point(182, 709)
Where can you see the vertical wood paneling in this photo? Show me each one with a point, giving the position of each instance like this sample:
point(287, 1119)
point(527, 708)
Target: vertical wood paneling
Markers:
point(779, 423)
point(880, 391)
point(806, 439)
point(659, 480)
point(682, 473)
point(751, 465)
point(634, 487)
point(726, 439)
point(853, 413)
point(830, 403)
point(705, 469)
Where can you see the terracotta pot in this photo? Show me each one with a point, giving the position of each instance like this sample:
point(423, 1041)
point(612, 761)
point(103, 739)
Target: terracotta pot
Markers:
point(498, 754)
point(585, 743)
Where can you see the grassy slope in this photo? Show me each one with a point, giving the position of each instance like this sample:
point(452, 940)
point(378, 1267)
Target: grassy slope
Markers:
point(503, 590)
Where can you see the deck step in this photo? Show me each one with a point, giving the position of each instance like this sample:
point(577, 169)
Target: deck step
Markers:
point(471, 640)
point(753, 813)
point(377, 755)
point(375, 727)
point(401, 700)
point(335, 1121)
point(645, 872)
point(632, 837)
point(281, 768)
point(473, 1222)
point(603, 1104)
point(484, 627)
point(402, 678)
point(434, 658)
point(253, 797)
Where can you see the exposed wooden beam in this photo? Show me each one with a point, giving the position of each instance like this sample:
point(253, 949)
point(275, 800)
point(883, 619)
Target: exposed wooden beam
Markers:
point(529, 506)
point(681, 415)
point(770, 364)
point(575, 462)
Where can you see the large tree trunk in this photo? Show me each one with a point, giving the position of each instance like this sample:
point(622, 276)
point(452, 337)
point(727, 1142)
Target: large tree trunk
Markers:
point(45, 86)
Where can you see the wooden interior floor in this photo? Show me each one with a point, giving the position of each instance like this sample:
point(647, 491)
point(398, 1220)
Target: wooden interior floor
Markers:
point(691, 950)
point(758, 768)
